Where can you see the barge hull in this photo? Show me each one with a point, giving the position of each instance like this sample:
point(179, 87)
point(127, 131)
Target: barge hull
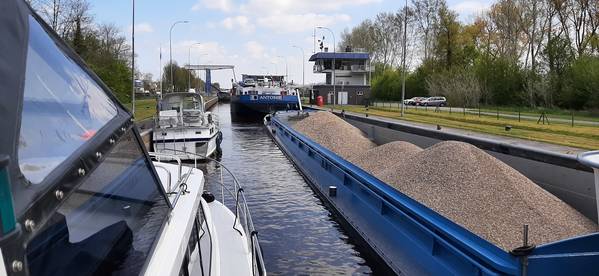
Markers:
point(255, 107)
point(409, 237)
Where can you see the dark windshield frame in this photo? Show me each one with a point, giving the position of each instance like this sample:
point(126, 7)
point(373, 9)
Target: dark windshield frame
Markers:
point(103, 135)
point(71, 172)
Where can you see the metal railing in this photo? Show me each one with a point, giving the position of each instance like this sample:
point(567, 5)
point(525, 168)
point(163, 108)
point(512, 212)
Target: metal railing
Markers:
point(243, 217)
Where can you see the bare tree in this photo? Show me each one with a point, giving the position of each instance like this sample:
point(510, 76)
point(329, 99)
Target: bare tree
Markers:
point(505, 16)
point(580, 20)
point(460, 87)
point(426, 15)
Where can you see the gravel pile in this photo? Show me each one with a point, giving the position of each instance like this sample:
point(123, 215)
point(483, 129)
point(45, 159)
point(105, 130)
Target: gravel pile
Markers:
point(334, 133)
point(384, 157)
point(484, 195)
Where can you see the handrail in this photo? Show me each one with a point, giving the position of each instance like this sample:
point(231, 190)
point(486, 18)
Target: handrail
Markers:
point(168, 173)
point(157, 155)
point(240, 201)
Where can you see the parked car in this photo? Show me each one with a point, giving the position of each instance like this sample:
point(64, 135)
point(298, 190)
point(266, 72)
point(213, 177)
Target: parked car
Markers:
point(413, 100)
point(434, 101)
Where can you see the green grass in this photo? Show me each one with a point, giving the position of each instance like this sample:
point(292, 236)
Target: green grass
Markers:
point(551, 112)
point(585, 137)
point(524, 111)
point(144, 109)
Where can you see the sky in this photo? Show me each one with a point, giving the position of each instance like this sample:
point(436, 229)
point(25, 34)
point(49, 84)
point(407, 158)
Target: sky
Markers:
point(256, 36)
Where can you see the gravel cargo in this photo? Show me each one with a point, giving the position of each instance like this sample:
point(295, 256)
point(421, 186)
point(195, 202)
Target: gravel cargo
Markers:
point(457, 180)
point(384, 157)
point(334, 134)
point(484, 195)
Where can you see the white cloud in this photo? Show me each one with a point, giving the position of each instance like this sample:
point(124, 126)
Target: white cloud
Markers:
point(240, 23)
point(221, 5)
point(302, 6)
point(254, 49)
point(300, 22)
point(470, 7)
point(142, 28)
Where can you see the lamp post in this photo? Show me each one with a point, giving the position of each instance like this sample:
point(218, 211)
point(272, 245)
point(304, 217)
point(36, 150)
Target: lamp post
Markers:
point(334, 69)
point(303, 64)
point(170, 50)
point(404, 73)
point(276, 72)
point(189, 64)
point(133, 60)
point(286, 72)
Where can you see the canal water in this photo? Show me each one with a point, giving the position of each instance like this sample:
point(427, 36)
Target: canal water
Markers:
point(297, 233)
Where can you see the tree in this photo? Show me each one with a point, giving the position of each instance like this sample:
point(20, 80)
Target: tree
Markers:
point(447, 38)
point(181, 80)
point(460, 86)
point(581, 84)
point(426, 15)
point(580, 21)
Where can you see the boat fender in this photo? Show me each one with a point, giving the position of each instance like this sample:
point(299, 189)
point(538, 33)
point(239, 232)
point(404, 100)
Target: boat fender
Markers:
point(210, 118)
point(208, 196)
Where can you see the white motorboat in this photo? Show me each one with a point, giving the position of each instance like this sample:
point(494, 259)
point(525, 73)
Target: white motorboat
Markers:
point(183, 128)
point(79, 193)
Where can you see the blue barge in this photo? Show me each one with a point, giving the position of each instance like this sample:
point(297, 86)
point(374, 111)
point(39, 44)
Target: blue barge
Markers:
point(258, 105)
point(408, 236)
point(258, 95)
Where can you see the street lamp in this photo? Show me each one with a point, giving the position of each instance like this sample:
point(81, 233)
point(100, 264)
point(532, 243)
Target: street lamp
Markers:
point(276, 72)
point(303, 64)
point(189, 64)
point(303, 68)
point(404, 73)
point(286, 72)
point(170, 50)
point(334, 69)
point(133, 60)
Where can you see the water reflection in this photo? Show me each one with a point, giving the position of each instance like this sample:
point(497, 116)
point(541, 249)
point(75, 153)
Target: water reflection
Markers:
point(298, 234)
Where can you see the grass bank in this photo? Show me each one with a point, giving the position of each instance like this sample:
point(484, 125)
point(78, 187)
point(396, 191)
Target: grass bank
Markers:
point(145, 108)
point(586, 137)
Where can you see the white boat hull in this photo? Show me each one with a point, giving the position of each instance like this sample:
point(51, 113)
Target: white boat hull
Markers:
point(186, 143)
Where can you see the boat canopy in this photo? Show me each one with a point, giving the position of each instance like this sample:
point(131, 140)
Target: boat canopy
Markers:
point(84, 193)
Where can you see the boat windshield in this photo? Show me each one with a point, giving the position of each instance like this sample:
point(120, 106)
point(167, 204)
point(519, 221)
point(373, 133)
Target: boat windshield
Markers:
point(185, 102)
point(63, 107)
point(109, 220)
point(108, 224)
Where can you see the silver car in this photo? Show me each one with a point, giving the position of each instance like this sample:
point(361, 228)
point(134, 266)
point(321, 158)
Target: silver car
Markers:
point(434, 101)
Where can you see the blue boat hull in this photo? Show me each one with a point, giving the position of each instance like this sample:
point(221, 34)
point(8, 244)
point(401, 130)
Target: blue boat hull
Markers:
point(254, 107)
point(411, 238)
